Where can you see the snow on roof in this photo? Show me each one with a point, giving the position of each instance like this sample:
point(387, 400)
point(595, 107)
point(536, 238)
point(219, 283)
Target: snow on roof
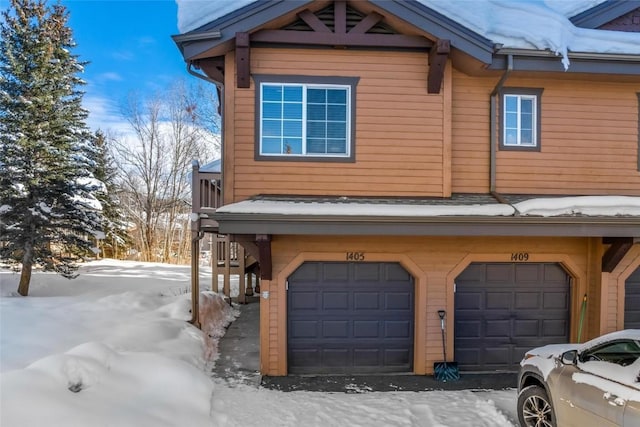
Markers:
point(523, 24)
point(558, 206)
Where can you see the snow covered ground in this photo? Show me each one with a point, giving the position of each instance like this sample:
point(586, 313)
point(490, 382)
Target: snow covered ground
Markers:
point(114, 348)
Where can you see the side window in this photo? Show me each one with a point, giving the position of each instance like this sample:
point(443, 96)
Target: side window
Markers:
point(520, 119)
point(305, 118)
point(621, 353)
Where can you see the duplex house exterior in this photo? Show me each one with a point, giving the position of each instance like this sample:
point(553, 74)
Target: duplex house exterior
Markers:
point(386, 159)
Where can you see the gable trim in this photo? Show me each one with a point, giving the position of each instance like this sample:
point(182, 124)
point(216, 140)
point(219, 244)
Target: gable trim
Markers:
point(604, 13)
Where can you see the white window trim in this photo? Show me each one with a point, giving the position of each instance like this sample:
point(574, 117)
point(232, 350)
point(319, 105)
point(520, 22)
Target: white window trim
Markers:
point(305, 87)
point(534, 120)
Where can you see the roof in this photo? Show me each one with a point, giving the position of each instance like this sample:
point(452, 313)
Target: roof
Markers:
point(461, 215)
point(485, 30)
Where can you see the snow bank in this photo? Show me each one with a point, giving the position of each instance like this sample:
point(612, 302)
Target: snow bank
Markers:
point(582, 205)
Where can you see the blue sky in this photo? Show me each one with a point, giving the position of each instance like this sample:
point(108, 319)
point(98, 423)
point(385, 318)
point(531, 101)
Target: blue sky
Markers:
point(128, 44)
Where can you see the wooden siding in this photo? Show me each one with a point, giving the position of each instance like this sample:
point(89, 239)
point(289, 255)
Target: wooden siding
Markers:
point(434, 262)
point(399, 129)
point(589, 139)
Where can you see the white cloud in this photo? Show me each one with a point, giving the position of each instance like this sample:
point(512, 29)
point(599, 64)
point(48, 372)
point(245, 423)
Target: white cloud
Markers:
point(110, 76)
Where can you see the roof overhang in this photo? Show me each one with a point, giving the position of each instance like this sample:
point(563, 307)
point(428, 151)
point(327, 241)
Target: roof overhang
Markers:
point(431, 226)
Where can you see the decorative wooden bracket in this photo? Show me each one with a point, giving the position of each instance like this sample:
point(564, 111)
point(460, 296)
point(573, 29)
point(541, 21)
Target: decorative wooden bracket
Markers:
point(438, 56)
point(264, 248)
point(243, 67)
point(618, 249)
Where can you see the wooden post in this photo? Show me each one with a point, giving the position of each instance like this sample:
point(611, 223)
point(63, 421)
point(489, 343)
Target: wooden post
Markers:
point(226, 270)
point(242, 299)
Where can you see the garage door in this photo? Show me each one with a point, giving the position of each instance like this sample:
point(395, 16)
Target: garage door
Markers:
point(350, 318)
point(632, 301)
point(503, 309)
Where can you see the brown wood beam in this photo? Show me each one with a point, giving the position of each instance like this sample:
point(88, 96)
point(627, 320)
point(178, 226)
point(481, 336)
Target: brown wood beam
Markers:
point(248, 242)
point(263, 241)
point(332, 39)
point(313, 21)
point(242, 60)
point(438, 57)
point(618, 249)
point(340, 17)
point(367, 23)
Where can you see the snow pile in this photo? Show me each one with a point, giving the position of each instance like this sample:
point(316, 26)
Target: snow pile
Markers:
point(581, 205)
point(134, 360)
point(524, 24)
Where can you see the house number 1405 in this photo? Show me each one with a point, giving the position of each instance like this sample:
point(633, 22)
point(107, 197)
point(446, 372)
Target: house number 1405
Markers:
point(355, 256)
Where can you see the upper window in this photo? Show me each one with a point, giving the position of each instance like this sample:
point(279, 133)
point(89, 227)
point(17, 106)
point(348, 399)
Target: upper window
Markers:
point(520, 119)
point(304, 120)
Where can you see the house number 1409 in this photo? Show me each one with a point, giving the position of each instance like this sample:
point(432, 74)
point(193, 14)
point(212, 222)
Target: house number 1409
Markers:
point(355, 256)
point(520, 256)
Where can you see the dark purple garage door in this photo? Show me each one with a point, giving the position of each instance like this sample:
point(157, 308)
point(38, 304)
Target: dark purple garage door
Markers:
point(350, 318)
point(504, 309)
point(632, 301)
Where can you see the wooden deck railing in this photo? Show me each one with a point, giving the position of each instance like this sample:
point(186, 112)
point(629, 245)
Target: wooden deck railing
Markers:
point(205, 189)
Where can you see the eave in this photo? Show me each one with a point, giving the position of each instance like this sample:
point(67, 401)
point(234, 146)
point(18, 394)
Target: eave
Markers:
point(580, 62)
point(275, 224)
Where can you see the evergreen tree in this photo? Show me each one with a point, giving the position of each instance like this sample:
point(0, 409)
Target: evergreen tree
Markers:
point(117, 238)
point(48, 215)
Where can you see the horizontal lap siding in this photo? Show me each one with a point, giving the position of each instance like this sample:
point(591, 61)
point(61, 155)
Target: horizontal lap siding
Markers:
point(398, 128)
point(589, 141)
point(470, 134)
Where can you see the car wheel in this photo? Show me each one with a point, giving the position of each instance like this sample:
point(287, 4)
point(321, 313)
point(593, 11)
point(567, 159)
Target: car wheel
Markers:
point(534, 408)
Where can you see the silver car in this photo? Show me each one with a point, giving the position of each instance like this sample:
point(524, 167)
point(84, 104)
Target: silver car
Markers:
point(590, 384)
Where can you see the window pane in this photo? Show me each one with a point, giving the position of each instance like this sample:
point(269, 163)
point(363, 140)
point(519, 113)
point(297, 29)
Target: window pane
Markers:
point(271, 146)
point(293, 111)
point(316, 129)
point(337, 113)
point(526, 137)
point(511, 137)
point(271, 110)
point(318, 96)
point(526, 121)
point(293, 93)
point(512, 121)
point(272, 93)
point(337, 146)
point(292, 146)
point(526, 105)
point(316, 146)
point(292, 128)
point(271, 128)
point(337, 96)
point(336, 130)
point(316, 112)
point(511, 103)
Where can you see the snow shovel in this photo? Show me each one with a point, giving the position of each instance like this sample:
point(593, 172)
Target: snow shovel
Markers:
point(445, 371)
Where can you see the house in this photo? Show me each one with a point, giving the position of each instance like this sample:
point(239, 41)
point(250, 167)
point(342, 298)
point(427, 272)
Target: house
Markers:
point(384, 160)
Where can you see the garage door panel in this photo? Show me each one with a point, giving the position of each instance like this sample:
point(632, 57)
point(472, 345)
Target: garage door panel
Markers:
point(398, 329)
point(366, 300)
point(335, 300)
point(398, 301)
point(469, 301)
point(510, 307)
point(498, 328)
point(498, 300)
point(335, 329)
point(527, 300)
point(334, 272)
point(367, 325)
point(397, 273)
point(555, 300)
point(304, 301)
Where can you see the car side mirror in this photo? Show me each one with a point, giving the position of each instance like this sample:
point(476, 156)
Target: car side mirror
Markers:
point(570, 357)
